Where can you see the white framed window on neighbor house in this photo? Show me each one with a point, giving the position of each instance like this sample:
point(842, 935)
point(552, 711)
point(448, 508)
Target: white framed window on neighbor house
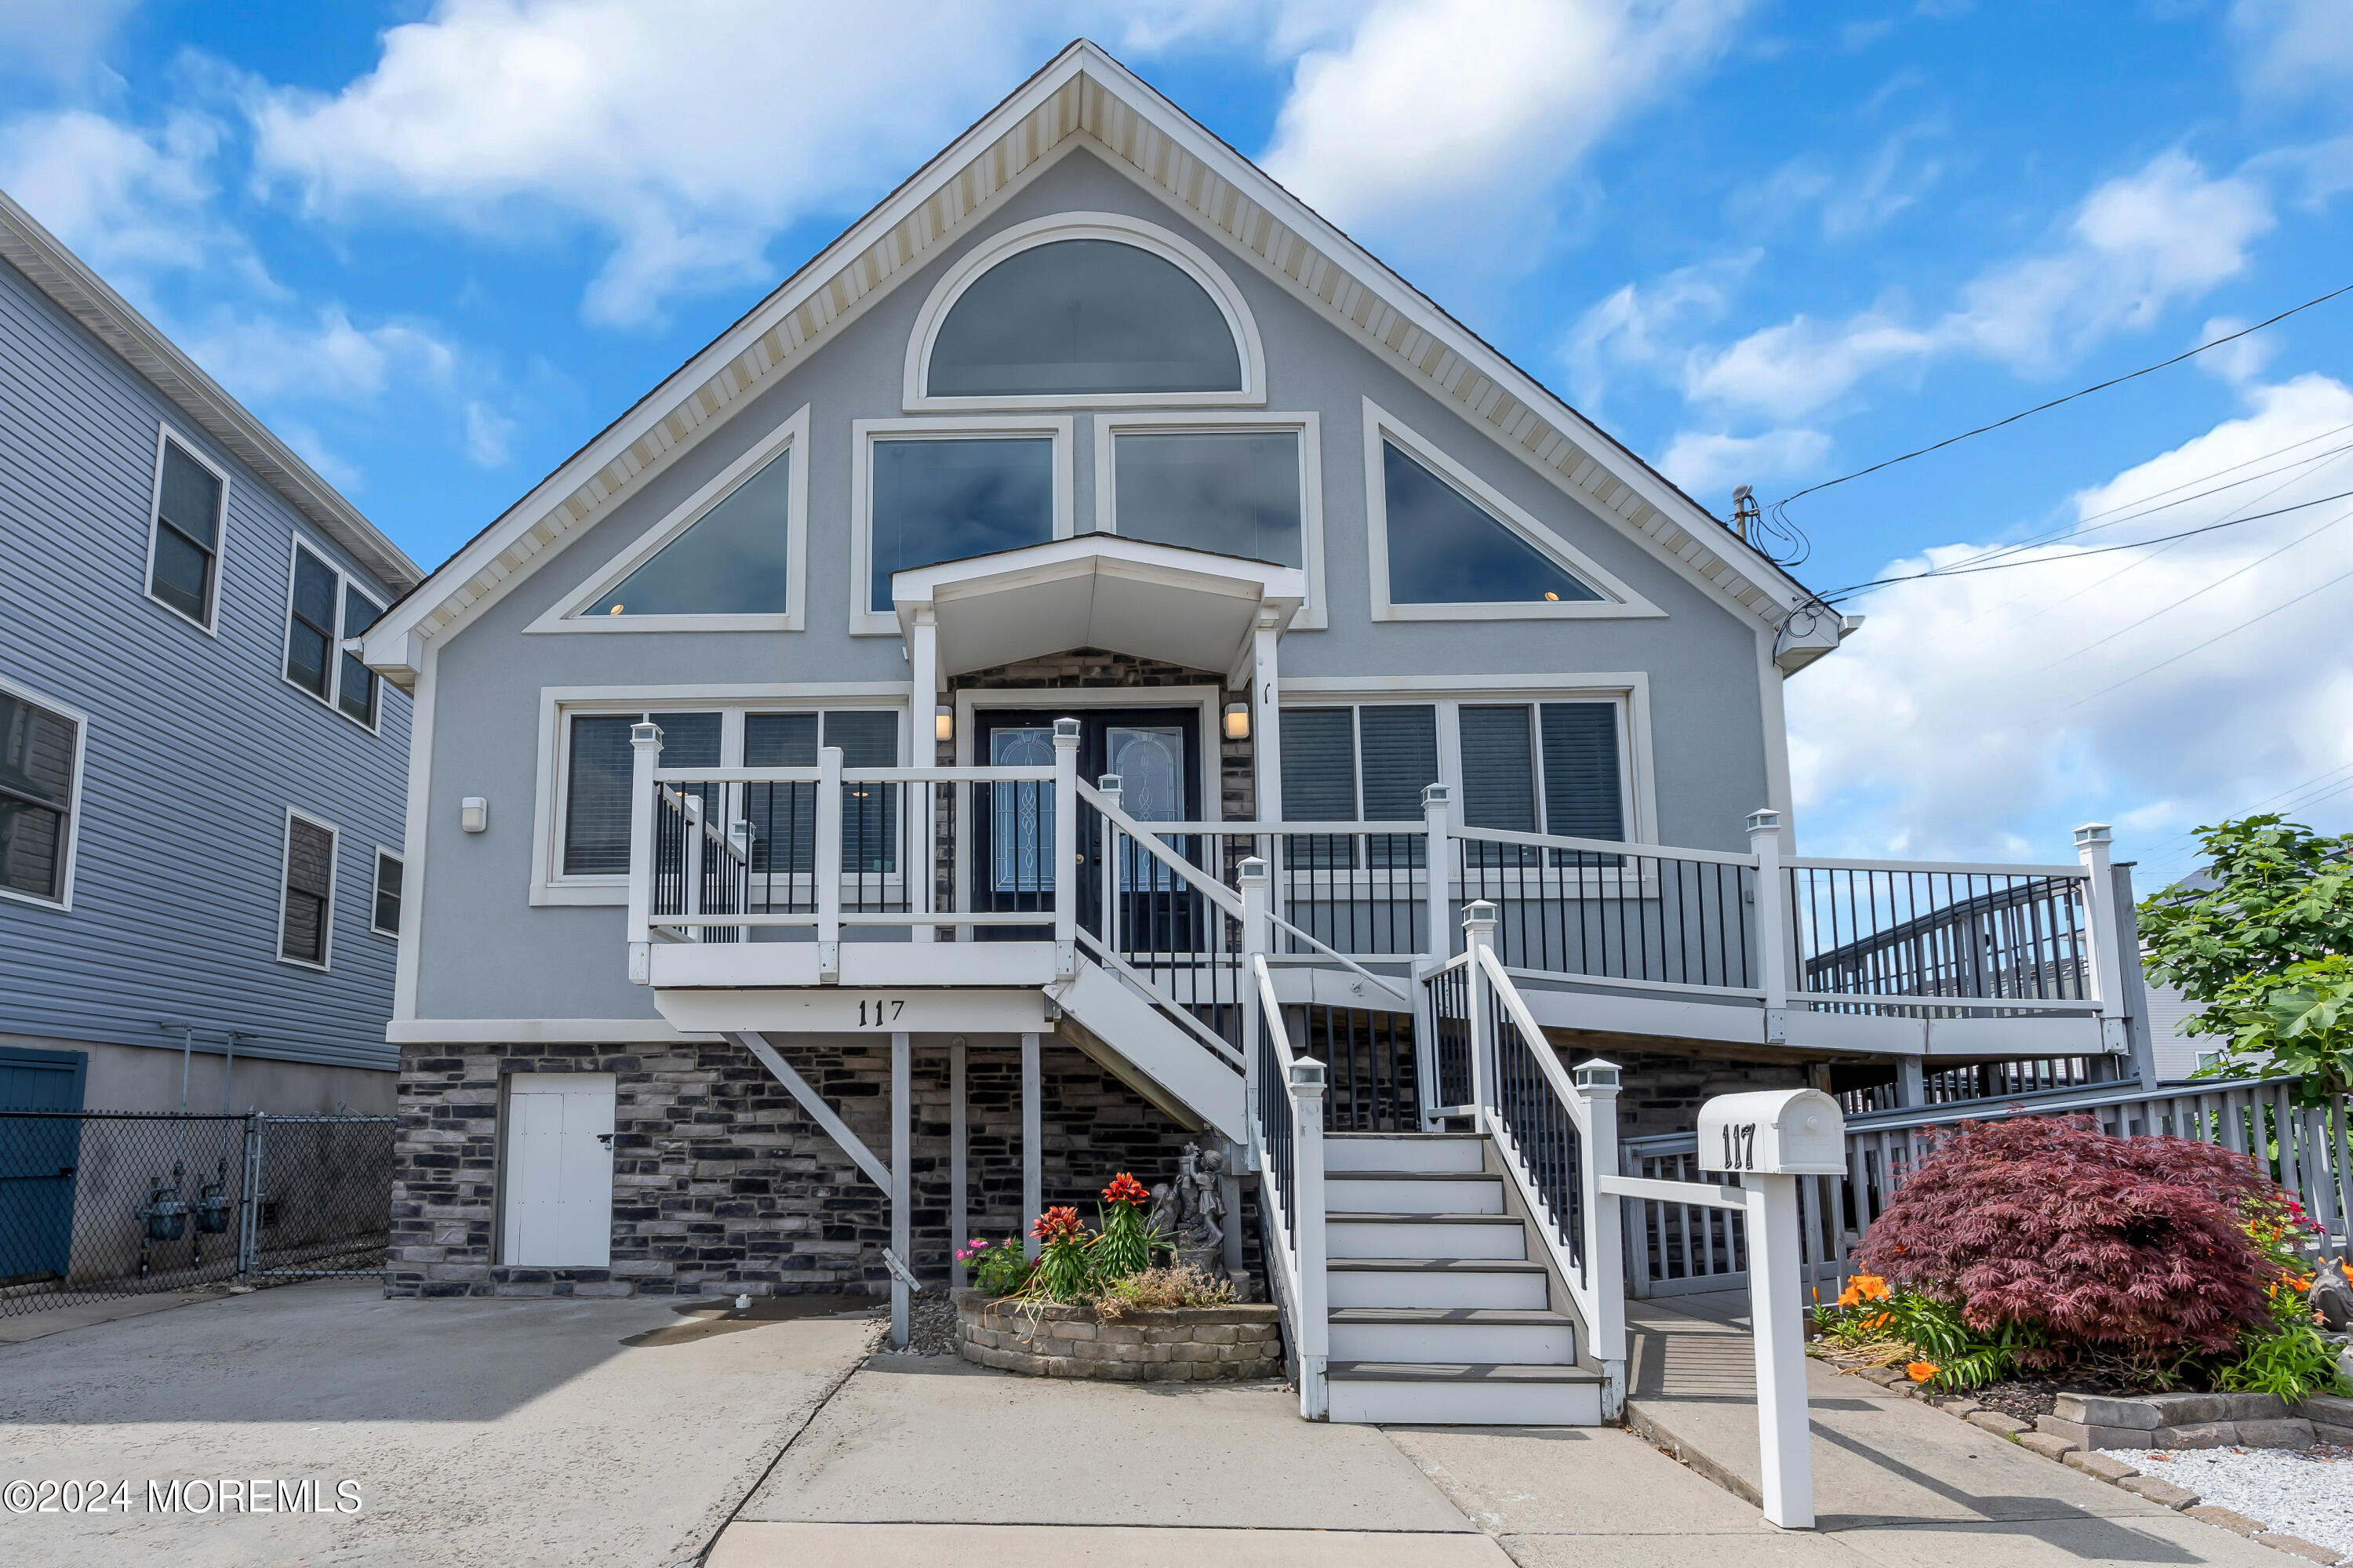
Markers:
point(306, 891)
point(1084, 309)
point(1527, 753)
point(384, 910)
point(325, 606)
point(925, 490)
point(1238, 483)
point(581, 833)
point(1445, 545)
point(42, 744)
point(187, 524)
point(733, 556)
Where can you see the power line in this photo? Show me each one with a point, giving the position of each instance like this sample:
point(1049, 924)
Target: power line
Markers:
point(2081, 554)
point(2039, 408)
point(2210, 642)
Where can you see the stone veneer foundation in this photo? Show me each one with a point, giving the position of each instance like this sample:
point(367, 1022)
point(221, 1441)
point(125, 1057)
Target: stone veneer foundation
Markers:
point(1197, 1344)
point(722, 1185)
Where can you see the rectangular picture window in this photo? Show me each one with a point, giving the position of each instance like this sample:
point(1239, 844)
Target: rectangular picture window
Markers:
point(186, 535)
point(385, 918)
point(38, 751)
point(1236, 493)
point(308, 917)
point(945, 499)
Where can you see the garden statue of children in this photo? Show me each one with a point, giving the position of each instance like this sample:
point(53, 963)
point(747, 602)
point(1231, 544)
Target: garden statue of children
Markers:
point(1186, 1213)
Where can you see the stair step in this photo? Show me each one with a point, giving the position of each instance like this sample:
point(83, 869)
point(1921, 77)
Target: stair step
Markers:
point(1394, 1283)
point(1453, 1336)
point(1414, 1191)
point(1351, 1234)
point(1463, 1393)
point(1426, 1152)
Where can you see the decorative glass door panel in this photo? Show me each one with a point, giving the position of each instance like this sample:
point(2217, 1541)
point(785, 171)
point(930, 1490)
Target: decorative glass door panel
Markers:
point(1021, 815)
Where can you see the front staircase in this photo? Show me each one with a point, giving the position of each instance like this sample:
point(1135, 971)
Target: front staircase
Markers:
point(1439, 1308)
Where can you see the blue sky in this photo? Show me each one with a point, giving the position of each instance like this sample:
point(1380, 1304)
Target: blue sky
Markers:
point(438, 245)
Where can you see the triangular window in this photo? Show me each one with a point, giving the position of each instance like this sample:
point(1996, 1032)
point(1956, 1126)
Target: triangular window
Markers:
point(733, 560)
point(1446, 548)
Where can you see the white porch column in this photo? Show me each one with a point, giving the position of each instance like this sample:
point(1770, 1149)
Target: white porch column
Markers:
point(1773, 913)
point(1033, 1145)
point(1066, 856)
point(645, 755)
point(902, 1223)
point(923, 700)
point(959, 1137)
point(1266, 737)
point(828, 864)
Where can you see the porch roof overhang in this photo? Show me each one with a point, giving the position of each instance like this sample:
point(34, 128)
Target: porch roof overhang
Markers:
point(1185, 607)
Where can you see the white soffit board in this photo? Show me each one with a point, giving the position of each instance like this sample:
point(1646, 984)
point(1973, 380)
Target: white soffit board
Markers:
point(1086, 97)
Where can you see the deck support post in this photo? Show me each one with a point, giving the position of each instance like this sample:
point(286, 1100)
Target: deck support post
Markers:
point(959, 1177)
point(1772, 929)
point(1033, 1149)
point(829, 865)
point(1911, 1083)
point(645, 755)
point(902, 1227)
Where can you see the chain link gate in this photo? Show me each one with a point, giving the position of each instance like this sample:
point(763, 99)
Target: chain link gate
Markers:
point(103, 1205)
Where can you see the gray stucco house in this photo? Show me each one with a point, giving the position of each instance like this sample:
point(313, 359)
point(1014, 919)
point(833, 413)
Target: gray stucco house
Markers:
point(200, 787)
point(1076, 671)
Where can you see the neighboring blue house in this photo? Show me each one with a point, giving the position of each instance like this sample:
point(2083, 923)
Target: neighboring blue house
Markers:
point(201, 793)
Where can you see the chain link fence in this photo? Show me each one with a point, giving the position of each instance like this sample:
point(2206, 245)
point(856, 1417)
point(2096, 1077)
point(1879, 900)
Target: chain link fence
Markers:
point(98, 1205)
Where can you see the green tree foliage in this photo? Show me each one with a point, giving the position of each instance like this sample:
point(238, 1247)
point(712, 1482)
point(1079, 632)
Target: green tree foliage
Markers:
point(2268, 947)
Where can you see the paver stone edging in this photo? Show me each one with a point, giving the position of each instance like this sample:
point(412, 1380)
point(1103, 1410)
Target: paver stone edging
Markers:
point(2084, 1424)
point(1178, 1344)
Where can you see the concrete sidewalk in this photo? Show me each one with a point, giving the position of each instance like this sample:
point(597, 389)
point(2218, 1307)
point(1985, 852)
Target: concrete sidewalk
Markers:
point(1895, 1481)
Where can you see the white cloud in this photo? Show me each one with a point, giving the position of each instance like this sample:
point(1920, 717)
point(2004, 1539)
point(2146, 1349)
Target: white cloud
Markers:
point(1703, 462)
point(1443, 105)
point(2289, 48)
point(689, 133)
point(1848, 203)
point(1981, 716)
point(126, 201)
point(487, 434)
point(2239, 361)
point(41, 37)
point(326, 357)
point(2137, 244)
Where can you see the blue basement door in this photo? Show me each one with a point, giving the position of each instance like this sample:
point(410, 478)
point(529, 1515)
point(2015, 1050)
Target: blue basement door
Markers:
point(37, 1158)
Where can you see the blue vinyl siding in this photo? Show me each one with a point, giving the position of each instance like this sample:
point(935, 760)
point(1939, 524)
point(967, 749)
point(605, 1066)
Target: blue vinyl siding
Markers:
point(196, 746)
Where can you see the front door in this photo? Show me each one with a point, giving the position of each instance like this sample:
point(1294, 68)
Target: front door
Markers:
point(1157, 753)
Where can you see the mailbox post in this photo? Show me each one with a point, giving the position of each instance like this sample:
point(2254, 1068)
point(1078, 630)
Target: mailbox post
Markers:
point(1769, 1140)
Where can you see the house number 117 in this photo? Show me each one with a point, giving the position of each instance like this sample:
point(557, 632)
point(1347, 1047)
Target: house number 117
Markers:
point(875, 1014)
point(1740, 1145)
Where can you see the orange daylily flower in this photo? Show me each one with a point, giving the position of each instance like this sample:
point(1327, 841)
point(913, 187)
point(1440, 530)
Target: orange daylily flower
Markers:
point(1921, 1372)
point(1872, 1287)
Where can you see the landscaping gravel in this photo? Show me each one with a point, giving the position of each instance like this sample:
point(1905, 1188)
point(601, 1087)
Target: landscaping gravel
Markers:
point(2296, 1492)
point(931, 1323)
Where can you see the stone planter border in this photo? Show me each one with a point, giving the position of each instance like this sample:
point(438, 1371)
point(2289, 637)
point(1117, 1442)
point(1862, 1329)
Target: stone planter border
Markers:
point(2085, 1424)
point(1191, 1344)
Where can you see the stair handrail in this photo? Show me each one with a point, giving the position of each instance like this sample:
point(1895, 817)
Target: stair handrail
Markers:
point(1147, 836)
point(1405, 1002)
point(1596, 1282)
point(1286, 1124)
point(1160, 1002)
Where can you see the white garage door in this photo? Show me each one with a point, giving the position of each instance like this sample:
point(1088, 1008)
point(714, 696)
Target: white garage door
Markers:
point(559, 1169)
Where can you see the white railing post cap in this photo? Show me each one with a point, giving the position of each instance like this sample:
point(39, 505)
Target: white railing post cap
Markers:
point(1479, 917)
point(1066, 732)
point(1596, 1073)
point(1109, 784)
point(645, 735)
point(1436, 795)
point(1252, 870)
point(1764, 820)
point(1306, 1077)
point(2093, 833)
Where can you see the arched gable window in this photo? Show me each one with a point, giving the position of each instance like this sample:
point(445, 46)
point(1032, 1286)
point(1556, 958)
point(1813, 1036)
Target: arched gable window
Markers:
point(1074, 310)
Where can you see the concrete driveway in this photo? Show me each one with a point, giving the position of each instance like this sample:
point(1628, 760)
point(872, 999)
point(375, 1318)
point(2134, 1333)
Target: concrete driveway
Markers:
point(477, 1432)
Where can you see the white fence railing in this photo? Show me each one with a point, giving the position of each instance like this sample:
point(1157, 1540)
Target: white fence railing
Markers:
point(1673, 1248)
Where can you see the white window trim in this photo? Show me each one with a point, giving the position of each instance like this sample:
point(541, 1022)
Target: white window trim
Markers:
point(550, 884)
point(571, 614)
point(344, 582)
point(64, 900)
point(376, 888)
point(1311, 616)
point(1629, 690)
point(865, 433)
point(1618, 601)
point(327, 916)
point(166, 434)
point(1119, 229)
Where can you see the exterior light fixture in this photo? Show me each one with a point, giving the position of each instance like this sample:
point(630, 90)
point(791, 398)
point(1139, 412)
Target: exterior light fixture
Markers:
point(944, 722)
point(1236, 721)
point(474, 813)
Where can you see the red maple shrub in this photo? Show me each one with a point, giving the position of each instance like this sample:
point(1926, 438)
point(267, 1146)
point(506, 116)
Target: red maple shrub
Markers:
point(2123, 1246)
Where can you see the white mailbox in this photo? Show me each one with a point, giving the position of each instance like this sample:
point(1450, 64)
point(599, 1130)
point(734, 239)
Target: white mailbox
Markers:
point(1775, 1132)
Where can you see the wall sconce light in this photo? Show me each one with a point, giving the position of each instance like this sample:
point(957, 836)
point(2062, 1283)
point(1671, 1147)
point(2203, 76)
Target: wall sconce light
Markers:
point(1236, 721)
point(473, 813)
point(944, 722)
